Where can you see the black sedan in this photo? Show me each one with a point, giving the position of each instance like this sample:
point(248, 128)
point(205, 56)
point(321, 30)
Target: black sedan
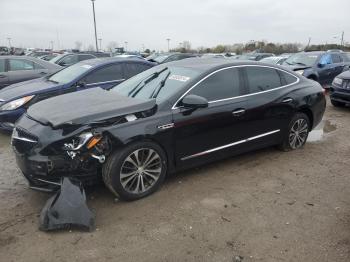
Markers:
point(14, 69)
point(171, 117)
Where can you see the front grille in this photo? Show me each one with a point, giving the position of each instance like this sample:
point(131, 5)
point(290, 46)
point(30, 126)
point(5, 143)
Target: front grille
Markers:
point(22, 140)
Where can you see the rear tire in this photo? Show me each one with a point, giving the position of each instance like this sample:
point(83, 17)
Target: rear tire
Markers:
point(297, 133)
point(135, 171)
point(337, 104)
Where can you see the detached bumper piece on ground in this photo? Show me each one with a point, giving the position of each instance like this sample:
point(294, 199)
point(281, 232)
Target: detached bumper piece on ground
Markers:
point(67, 209)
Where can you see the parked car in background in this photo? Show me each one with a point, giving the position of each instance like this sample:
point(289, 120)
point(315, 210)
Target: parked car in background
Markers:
point(71, 58)
point(339, 92)
point(14, 69)
point(4, 50)
point(321, 66)
point(172, 117)
point(98, 54)
point(102, 73)
point(274, 60)
point(130, 56)
point(255, 56)
point(213, 55)
point(39, 53)
point(169, 57)
point(48, 57)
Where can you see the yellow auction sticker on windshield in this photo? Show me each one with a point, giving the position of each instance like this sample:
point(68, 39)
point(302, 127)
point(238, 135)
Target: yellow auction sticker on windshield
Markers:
point(179, 78)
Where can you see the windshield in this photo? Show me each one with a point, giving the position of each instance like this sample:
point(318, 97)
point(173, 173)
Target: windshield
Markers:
point(160, 59)
point(56, 58)
point(160, 82)
point(69, 74)
point(303, 59)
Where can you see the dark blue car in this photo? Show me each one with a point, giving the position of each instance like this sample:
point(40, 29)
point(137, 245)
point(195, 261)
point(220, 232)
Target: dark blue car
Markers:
point(102, 72)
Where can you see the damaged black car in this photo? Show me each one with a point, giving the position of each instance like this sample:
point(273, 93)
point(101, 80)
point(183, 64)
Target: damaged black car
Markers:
point(171, 117)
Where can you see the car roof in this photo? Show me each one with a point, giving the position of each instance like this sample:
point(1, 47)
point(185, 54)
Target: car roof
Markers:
point(208, 64)
point(111, 60)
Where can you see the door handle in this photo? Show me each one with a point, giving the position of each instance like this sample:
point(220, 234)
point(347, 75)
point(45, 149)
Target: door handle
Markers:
point(238, 112)
point(287, 100)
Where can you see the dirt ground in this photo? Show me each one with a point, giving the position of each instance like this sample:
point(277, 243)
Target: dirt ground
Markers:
point(262, 206)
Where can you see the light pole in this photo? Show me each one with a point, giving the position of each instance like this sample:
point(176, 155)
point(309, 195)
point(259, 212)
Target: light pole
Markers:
point(9, 39)
point(100, 39)
point(93, 10)
point(168, 39)
point(126, 45)
point(51, 42)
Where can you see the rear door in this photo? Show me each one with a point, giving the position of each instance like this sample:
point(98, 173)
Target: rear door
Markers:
point(4, 79)
point(211, 132)
point(21, 69)
point(270, 103)
point(105, 77)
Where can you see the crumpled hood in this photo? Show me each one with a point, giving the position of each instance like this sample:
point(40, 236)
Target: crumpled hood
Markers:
point(25, 88)
point(86, 106)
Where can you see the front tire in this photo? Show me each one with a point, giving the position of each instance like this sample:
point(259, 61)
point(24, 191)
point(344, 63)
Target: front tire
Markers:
point(135, 171)
point(297, 134)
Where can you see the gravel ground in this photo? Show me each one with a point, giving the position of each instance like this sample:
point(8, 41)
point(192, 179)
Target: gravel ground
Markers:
point(262, 206)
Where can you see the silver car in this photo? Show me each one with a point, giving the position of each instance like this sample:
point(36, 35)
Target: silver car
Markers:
point(14, 69)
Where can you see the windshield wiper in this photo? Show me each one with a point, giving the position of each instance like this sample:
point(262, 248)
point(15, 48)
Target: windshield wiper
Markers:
point(160, 86)
point(299, 63)
point(53, 81)
point(138, 87)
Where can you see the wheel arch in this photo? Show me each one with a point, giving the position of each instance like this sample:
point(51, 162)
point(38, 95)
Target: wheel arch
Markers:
point(307, 111)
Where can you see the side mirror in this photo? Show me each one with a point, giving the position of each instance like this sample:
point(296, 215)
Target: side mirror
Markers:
point(80, 84)
point(194, 102)
point(320, 65)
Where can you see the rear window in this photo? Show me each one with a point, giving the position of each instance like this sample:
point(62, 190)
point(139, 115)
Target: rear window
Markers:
point(262, 79)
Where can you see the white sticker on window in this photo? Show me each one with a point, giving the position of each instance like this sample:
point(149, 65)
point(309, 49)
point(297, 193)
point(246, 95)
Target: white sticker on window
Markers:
point(86, 66)
point(179, 78)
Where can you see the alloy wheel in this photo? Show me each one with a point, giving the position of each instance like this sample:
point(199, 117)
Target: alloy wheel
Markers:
point(298, 133)
point(140, 170)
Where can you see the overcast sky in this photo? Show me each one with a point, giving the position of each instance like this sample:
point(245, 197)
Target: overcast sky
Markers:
point(34, 23)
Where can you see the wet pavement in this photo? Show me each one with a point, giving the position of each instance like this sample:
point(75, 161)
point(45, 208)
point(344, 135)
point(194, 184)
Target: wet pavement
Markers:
point(266, 205)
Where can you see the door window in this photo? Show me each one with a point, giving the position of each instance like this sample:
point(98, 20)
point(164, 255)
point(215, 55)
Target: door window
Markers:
point(326, 59)
point(288, 78)
point(336, 58)
point(2, 65)
point(20, 64)
point(108, 73)
point(37, 66)
point(220, 85)
point(262, 79)
point(69, 60)
point(132, 69)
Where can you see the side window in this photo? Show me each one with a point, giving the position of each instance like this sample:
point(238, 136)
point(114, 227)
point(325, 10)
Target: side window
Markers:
point(20, 64)
point(69, 60)
point(289, 79)
point(220, 85)
point(85, 57)
point(108, 73)
point(262, 79)
point(132, 69)
point(336, 58)
point(2, 65)
point(37, 66)
point(326, 59)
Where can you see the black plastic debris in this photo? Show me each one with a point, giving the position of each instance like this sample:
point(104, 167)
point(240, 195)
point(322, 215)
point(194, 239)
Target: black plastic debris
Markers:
point(67, 209)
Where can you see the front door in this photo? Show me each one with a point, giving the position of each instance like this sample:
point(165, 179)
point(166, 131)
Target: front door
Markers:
point(208, 132)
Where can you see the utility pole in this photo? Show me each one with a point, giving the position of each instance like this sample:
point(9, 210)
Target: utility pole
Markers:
point(9, 39)
point(93, 10)
point(100, 39)
point(126, 45)
point(342, 38)
point(308, 43)
point(168, 39)
point(51, 42)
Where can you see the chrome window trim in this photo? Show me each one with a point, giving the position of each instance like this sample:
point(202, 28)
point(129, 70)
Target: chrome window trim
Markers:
point(236, 97)
point(106, 82)
point(230, 145)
